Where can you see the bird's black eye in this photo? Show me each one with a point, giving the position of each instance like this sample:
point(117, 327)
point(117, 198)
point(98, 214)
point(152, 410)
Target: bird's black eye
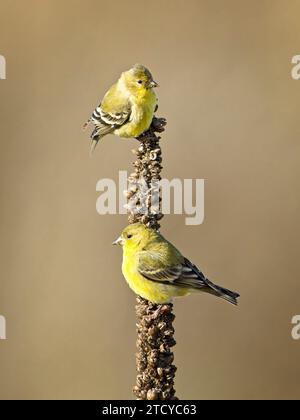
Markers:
point(140, 82)
point(129, 236)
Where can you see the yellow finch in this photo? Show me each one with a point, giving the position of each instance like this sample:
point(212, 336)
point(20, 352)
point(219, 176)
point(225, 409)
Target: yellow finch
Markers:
point(157, 271)
point(127, 108)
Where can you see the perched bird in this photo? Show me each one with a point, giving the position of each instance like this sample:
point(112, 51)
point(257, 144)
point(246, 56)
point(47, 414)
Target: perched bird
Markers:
point(157, 271)
point(128, 107)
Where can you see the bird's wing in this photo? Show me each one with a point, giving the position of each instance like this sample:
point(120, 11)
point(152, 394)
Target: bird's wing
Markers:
point(192, 276)
point(112, 118)
point(106, 122)
point(112, 113)
point(114, 110)
point(181, 272)
point(152, 266)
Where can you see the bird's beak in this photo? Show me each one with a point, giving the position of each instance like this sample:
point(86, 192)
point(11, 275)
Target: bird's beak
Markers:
point(118, 241)
point(153, 84)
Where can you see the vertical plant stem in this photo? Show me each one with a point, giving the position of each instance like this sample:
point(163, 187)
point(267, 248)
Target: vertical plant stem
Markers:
point(154, 357)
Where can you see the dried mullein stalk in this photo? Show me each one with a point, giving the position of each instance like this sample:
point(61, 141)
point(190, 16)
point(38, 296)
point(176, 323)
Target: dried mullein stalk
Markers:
point(154, 357)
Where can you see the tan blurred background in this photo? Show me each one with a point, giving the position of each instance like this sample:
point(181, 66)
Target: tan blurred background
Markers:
point(224, 70)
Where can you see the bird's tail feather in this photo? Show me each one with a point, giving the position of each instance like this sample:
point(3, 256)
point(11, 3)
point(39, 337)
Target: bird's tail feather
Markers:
point(223, 293)
point(95, 137)
point(94, 143)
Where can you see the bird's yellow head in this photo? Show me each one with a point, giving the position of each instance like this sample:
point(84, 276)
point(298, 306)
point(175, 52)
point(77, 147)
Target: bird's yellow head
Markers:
point(136, 236)
point(139, 79)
